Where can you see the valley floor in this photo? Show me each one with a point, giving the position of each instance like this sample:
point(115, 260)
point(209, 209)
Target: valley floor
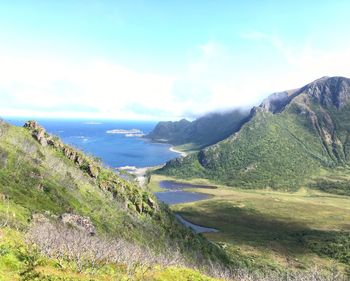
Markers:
point(273, 230)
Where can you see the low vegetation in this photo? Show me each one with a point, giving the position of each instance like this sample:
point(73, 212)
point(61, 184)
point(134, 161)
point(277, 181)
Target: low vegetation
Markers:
point(287, 143)
point(268, 231)
point(42, 177)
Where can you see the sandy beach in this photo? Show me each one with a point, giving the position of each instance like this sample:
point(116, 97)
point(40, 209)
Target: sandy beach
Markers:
point(140, 173)
point(182, 153)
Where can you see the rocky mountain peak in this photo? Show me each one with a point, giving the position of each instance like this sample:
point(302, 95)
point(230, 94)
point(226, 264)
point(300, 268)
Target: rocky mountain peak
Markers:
point(329, 91)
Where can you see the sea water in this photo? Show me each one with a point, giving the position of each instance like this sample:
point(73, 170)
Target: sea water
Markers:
point(116, 143)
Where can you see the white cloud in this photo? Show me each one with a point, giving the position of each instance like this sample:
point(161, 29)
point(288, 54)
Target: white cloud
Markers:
point(217, 77)
point(52, 86)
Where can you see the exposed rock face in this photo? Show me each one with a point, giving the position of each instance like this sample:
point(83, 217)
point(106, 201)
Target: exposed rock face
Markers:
point(39, 134)
point(93, 171)
point(79, 160)
point(151, 203)
point(326, 91)
point(329, 92)
point(37, 131)
point(120, 189)
point(83, 223)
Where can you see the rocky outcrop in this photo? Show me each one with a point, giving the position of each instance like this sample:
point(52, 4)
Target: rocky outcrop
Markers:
point(121, 190)
point(329, 91)
point(84, 163)
point(326, 91)
point(92, 170)
point(38, 132)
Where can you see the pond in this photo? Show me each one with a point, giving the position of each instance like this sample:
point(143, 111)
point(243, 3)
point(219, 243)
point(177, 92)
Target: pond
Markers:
point(175, 193)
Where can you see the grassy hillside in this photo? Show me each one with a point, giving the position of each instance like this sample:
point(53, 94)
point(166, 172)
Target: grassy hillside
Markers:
point(274, 231)
point(53, 195)
point(299, 139)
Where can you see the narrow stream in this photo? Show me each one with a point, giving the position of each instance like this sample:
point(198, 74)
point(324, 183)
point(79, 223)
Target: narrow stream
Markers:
point(174, 193)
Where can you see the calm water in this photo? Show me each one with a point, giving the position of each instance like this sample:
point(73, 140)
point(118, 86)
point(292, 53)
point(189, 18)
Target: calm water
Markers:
point(178, 196)
point(174, 193)
point(115, 142)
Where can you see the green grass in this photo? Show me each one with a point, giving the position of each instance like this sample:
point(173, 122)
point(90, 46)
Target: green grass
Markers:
point(280, 151)
point(36, 179)
point(273, 230)
point(153, 185)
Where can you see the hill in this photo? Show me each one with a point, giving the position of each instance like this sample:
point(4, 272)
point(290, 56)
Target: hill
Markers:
point(293, 138)
point(64, 216)
point(202, 132)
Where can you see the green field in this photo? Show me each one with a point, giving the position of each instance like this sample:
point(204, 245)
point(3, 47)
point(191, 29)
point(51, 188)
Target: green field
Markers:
point(274, 230)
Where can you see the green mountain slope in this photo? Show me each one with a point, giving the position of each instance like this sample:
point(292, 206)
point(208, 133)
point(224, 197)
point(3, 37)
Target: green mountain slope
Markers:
point(204, 131)
point(54, 191)
point(293, 138)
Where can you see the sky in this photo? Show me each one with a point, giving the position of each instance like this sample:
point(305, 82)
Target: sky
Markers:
point(164, 59)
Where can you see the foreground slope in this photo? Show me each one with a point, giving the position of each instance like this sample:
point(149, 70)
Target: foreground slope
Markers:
point(292, 138)
point(58, 205)
point(204, 131)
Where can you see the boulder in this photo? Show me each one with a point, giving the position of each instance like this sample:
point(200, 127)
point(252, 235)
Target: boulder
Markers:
point(37, 131)
point(79, 159)
point(92, 171)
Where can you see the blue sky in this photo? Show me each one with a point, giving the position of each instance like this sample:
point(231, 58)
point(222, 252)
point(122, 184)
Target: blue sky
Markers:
point(163, 59)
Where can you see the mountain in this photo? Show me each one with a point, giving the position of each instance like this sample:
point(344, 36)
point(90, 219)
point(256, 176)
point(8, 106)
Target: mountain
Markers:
point(62, 213)
point(293, 138)
point(202, 132)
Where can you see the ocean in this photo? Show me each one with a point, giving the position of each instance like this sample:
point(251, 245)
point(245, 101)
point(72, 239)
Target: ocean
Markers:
point(116, 143)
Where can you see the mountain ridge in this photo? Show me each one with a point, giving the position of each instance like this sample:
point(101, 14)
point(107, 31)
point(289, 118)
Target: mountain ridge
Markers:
point(203, 131)
point(295, 134)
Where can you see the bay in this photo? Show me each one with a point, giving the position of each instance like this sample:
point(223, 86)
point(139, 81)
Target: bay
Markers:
point(117, 143)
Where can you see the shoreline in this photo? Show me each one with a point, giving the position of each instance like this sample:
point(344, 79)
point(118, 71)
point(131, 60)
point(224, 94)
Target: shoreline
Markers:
point(182, 153)
point(140, 172)
point(171, 148)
